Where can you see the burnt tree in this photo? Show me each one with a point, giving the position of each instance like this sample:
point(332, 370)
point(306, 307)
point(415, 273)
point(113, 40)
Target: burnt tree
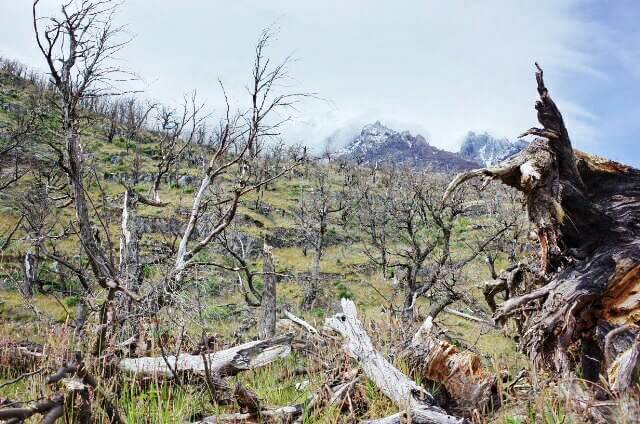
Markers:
point(585, 307)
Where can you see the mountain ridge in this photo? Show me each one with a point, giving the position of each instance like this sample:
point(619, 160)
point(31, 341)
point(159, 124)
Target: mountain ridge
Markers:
point(377, 144)
point(487, 150)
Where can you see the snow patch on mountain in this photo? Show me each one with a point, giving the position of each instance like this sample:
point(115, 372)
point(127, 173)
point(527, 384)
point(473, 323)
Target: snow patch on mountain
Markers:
point(488, 150)
point(378, 144)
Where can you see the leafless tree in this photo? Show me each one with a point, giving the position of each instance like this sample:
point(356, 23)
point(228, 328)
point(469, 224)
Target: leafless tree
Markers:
point(409, 230)
point(374, 211)
point(177, 130)
point(504, 216)
point(316, 208)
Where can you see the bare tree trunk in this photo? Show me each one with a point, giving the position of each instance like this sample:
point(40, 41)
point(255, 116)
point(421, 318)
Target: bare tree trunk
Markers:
point(268, 324)
point(30, 273)
point(312, 289)
point(588, 225)
point(129, 271)
point(155, 193)
point(410, 297)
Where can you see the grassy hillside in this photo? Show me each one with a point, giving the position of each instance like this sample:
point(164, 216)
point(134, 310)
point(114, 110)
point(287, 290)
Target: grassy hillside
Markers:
point(346, 271)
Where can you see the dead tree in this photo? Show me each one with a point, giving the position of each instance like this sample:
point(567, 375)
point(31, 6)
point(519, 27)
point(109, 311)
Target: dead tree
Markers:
point(82, 70)
point(411, 231)
point(503, 208)
point(177, 130)
point(314, 213)
point(227, 176)
point(587, 218)
point(268, 323)
point(374, 211)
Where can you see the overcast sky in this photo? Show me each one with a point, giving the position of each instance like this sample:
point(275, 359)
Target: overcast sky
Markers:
point(439, 68)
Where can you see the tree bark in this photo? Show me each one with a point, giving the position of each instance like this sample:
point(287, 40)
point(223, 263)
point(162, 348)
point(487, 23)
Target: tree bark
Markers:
point(461, 373)
point(30, 273)
point(268, 324)
point(587, 216)
point(224, 363)
point(410, 297)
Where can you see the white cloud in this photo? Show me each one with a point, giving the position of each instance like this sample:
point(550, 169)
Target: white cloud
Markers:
point(434, 67)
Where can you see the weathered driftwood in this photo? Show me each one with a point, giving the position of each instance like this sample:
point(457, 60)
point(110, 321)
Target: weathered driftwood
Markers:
point(224, 363)
point(302, 323)
point(469, 317)
point(461, 373)
point(285, 414)
point(417, 416)
point(392, 382)
point(586, 211)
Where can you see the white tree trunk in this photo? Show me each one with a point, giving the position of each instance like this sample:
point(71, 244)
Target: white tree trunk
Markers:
point(403, 391)
point(285, 414)
point(224, 363)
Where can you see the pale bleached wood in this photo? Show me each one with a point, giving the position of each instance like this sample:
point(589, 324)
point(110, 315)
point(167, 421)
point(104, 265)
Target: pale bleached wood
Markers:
point(310, 328)
point(418, 416)
point(403, 391)
point(469, 317)
point(227, 362)
point(285, 414)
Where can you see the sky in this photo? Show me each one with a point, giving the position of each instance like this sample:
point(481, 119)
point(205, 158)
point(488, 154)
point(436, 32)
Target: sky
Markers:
point(438, 68)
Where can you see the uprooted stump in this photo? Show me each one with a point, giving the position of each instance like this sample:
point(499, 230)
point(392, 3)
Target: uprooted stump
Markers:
point(403, 391)
point(586, 211)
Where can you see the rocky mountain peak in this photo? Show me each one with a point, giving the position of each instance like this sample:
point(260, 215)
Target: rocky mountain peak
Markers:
point(488, 150)
point(378, 144)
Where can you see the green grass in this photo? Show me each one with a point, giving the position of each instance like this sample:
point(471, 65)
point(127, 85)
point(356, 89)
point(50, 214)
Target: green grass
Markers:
point(44, 318)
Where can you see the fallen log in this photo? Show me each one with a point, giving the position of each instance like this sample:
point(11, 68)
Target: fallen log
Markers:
point(403, 391)
point(461, 373)
point(283, 415)
point(415, 416)
point(224, 363)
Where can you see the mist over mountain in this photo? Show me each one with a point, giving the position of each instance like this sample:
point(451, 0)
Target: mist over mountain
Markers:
point(377, 144)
